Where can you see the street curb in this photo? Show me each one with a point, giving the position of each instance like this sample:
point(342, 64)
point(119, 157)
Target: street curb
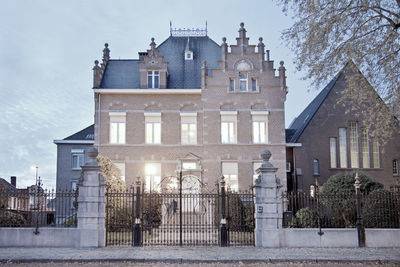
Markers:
point(181, 260)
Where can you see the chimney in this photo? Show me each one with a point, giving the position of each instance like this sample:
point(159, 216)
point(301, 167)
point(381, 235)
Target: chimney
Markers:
point(14, 181)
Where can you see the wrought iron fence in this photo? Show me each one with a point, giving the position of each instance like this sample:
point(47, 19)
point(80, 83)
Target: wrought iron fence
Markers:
point(36, 207)
point(171, 218)
point(379, 209)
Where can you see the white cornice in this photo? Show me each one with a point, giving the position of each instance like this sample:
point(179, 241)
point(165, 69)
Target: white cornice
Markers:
point(149, 91)
point(82, 142)
point(293, 144)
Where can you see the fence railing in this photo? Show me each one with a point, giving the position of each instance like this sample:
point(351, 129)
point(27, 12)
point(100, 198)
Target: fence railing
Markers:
point(379, 209)
point(38, 208)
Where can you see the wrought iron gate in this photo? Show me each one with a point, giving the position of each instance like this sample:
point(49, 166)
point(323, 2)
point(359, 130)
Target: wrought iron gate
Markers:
point(179, 216)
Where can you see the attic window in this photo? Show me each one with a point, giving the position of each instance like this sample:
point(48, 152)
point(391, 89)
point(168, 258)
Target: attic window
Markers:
point(188, 55)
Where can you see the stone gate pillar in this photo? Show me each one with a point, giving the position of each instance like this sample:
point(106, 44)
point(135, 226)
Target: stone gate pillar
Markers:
point(268, 204)
point(91, 204)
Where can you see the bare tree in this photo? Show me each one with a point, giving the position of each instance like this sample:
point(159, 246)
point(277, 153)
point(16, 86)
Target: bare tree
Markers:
point(327, 34)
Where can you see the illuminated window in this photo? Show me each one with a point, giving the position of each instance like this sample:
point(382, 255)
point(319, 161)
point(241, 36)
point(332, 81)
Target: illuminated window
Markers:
point(228, 127)
point(117, 127)
point(153, 127)
point(230, 172)
point(342, 147)
point(332, 148)
point(121, 167)
point(153, 78)
point(189, 128)
point(354, 154)
point(153, 177)
point(365, 148)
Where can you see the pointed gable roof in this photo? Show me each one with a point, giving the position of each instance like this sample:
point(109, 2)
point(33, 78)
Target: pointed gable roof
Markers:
point(298, 125)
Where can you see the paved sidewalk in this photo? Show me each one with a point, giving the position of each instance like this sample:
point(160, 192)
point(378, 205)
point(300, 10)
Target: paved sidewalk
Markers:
point(201, 254)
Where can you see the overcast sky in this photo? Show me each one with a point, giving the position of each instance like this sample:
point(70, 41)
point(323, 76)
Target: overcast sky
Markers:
point(47, 50)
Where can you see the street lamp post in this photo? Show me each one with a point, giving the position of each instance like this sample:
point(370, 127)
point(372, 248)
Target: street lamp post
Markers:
point(360, 228)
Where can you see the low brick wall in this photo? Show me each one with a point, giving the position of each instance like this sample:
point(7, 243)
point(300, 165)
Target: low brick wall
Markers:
point(48, 237)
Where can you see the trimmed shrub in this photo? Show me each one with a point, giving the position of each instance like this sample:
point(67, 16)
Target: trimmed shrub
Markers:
point(11, 219)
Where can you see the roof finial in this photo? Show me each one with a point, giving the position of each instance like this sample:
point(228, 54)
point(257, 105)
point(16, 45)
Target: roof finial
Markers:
point(242, 31)
point(106, 52)
point(152, 44)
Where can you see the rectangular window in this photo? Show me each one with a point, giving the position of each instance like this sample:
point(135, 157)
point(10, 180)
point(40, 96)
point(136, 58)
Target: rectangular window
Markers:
point(375, 153)
point(354, 154)
point(153, 127)
point(256, 165)
point(231, 85)
point(77, 161)
point(153, 177)
point(189, 128)
point(243, 81)
point(260, 126)
point(395, 167)
point(189, 165)
point(316, 167)
point(153, 77)
point(121, 167)
point(228, 127)
point(332, 148)
point(365, 148)
point(230, 172)
point(343, 147)
point(117, 127)
point(254, 85)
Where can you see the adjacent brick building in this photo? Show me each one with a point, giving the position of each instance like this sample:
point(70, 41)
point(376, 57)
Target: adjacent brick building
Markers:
point(191, 103)
point(325, 140)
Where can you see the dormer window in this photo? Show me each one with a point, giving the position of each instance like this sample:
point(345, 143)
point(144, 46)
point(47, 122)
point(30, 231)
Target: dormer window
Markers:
point(188, 55)
point(153, 79)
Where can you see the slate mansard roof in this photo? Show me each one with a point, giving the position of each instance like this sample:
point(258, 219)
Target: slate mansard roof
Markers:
point(83, 136)
point(182, 74)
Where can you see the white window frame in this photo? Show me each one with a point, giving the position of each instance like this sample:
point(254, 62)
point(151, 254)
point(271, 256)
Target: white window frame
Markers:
point(153, 124)
point(228, 123)
point(189, 121)
point(121, 167)
point(230, 172)
point(255, 166)
point(246, 80)
point(79, 154)
point(190, 54)
point(153, 74)
point(258, 118)
point(152, 171)
point(118, 124)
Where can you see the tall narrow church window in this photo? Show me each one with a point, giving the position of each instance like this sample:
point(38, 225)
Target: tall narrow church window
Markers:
point(332, 148)
point(375, 153)
point(316, 167)
point(354, 145)
point(365, 148)
point(342, 147)
point(395, 167)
